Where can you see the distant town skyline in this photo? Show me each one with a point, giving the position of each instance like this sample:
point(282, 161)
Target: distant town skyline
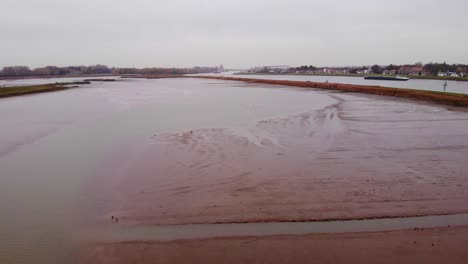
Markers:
point(237, 34)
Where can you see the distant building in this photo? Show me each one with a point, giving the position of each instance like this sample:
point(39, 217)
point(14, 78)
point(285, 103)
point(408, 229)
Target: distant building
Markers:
point(462, 71)
point(219, 69)
point(335, 70)
point(390, 72)
point(277, 68)
point(449, 74)
point(271, 69)
point(411, 70)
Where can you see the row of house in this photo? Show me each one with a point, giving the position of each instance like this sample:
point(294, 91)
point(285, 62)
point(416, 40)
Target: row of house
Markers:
point(419, 70)
point(452, 74)
point(411, 70)
point(270, 69)
point(335, 70)
point(416, 69)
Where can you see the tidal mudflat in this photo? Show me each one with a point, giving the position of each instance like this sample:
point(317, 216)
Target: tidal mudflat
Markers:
point(343, 156)
point(142, 153)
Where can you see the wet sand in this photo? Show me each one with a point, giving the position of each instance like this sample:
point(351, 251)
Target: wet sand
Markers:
point(445, 245)
point(361, 157)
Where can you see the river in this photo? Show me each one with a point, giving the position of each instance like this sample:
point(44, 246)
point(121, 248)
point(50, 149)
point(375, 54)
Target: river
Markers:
point(52, 146)
point(52, 143)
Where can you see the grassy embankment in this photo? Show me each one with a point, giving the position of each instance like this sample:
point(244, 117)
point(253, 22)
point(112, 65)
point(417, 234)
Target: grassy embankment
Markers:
point(422, 77)
point(59, 76)
point(41, 88)
point(438, 97)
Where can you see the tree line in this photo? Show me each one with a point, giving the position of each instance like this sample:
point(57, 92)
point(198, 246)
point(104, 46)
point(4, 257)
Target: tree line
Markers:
point(435, 68)
point(24, 71)
point(163, 71)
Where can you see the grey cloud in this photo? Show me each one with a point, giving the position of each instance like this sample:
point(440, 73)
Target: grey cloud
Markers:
point(235, 33)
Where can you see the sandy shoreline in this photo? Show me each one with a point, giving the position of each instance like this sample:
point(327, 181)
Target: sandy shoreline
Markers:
point(442, 245)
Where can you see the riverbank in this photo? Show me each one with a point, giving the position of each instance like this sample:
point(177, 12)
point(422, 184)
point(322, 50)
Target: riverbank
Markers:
point(442, 245)
point(34, 89)
point(419, 77)
point(433, 96)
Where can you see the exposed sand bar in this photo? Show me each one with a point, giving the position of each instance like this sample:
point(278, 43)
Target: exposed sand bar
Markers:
point(438, 97)
point(337, 156)
point(361, 157)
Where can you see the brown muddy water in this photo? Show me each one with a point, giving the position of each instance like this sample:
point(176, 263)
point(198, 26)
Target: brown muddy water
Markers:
point(66, 157)
point(51, 143)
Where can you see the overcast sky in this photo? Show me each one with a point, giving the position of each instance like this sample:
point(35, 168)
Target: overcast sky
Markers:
point(236, 33)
